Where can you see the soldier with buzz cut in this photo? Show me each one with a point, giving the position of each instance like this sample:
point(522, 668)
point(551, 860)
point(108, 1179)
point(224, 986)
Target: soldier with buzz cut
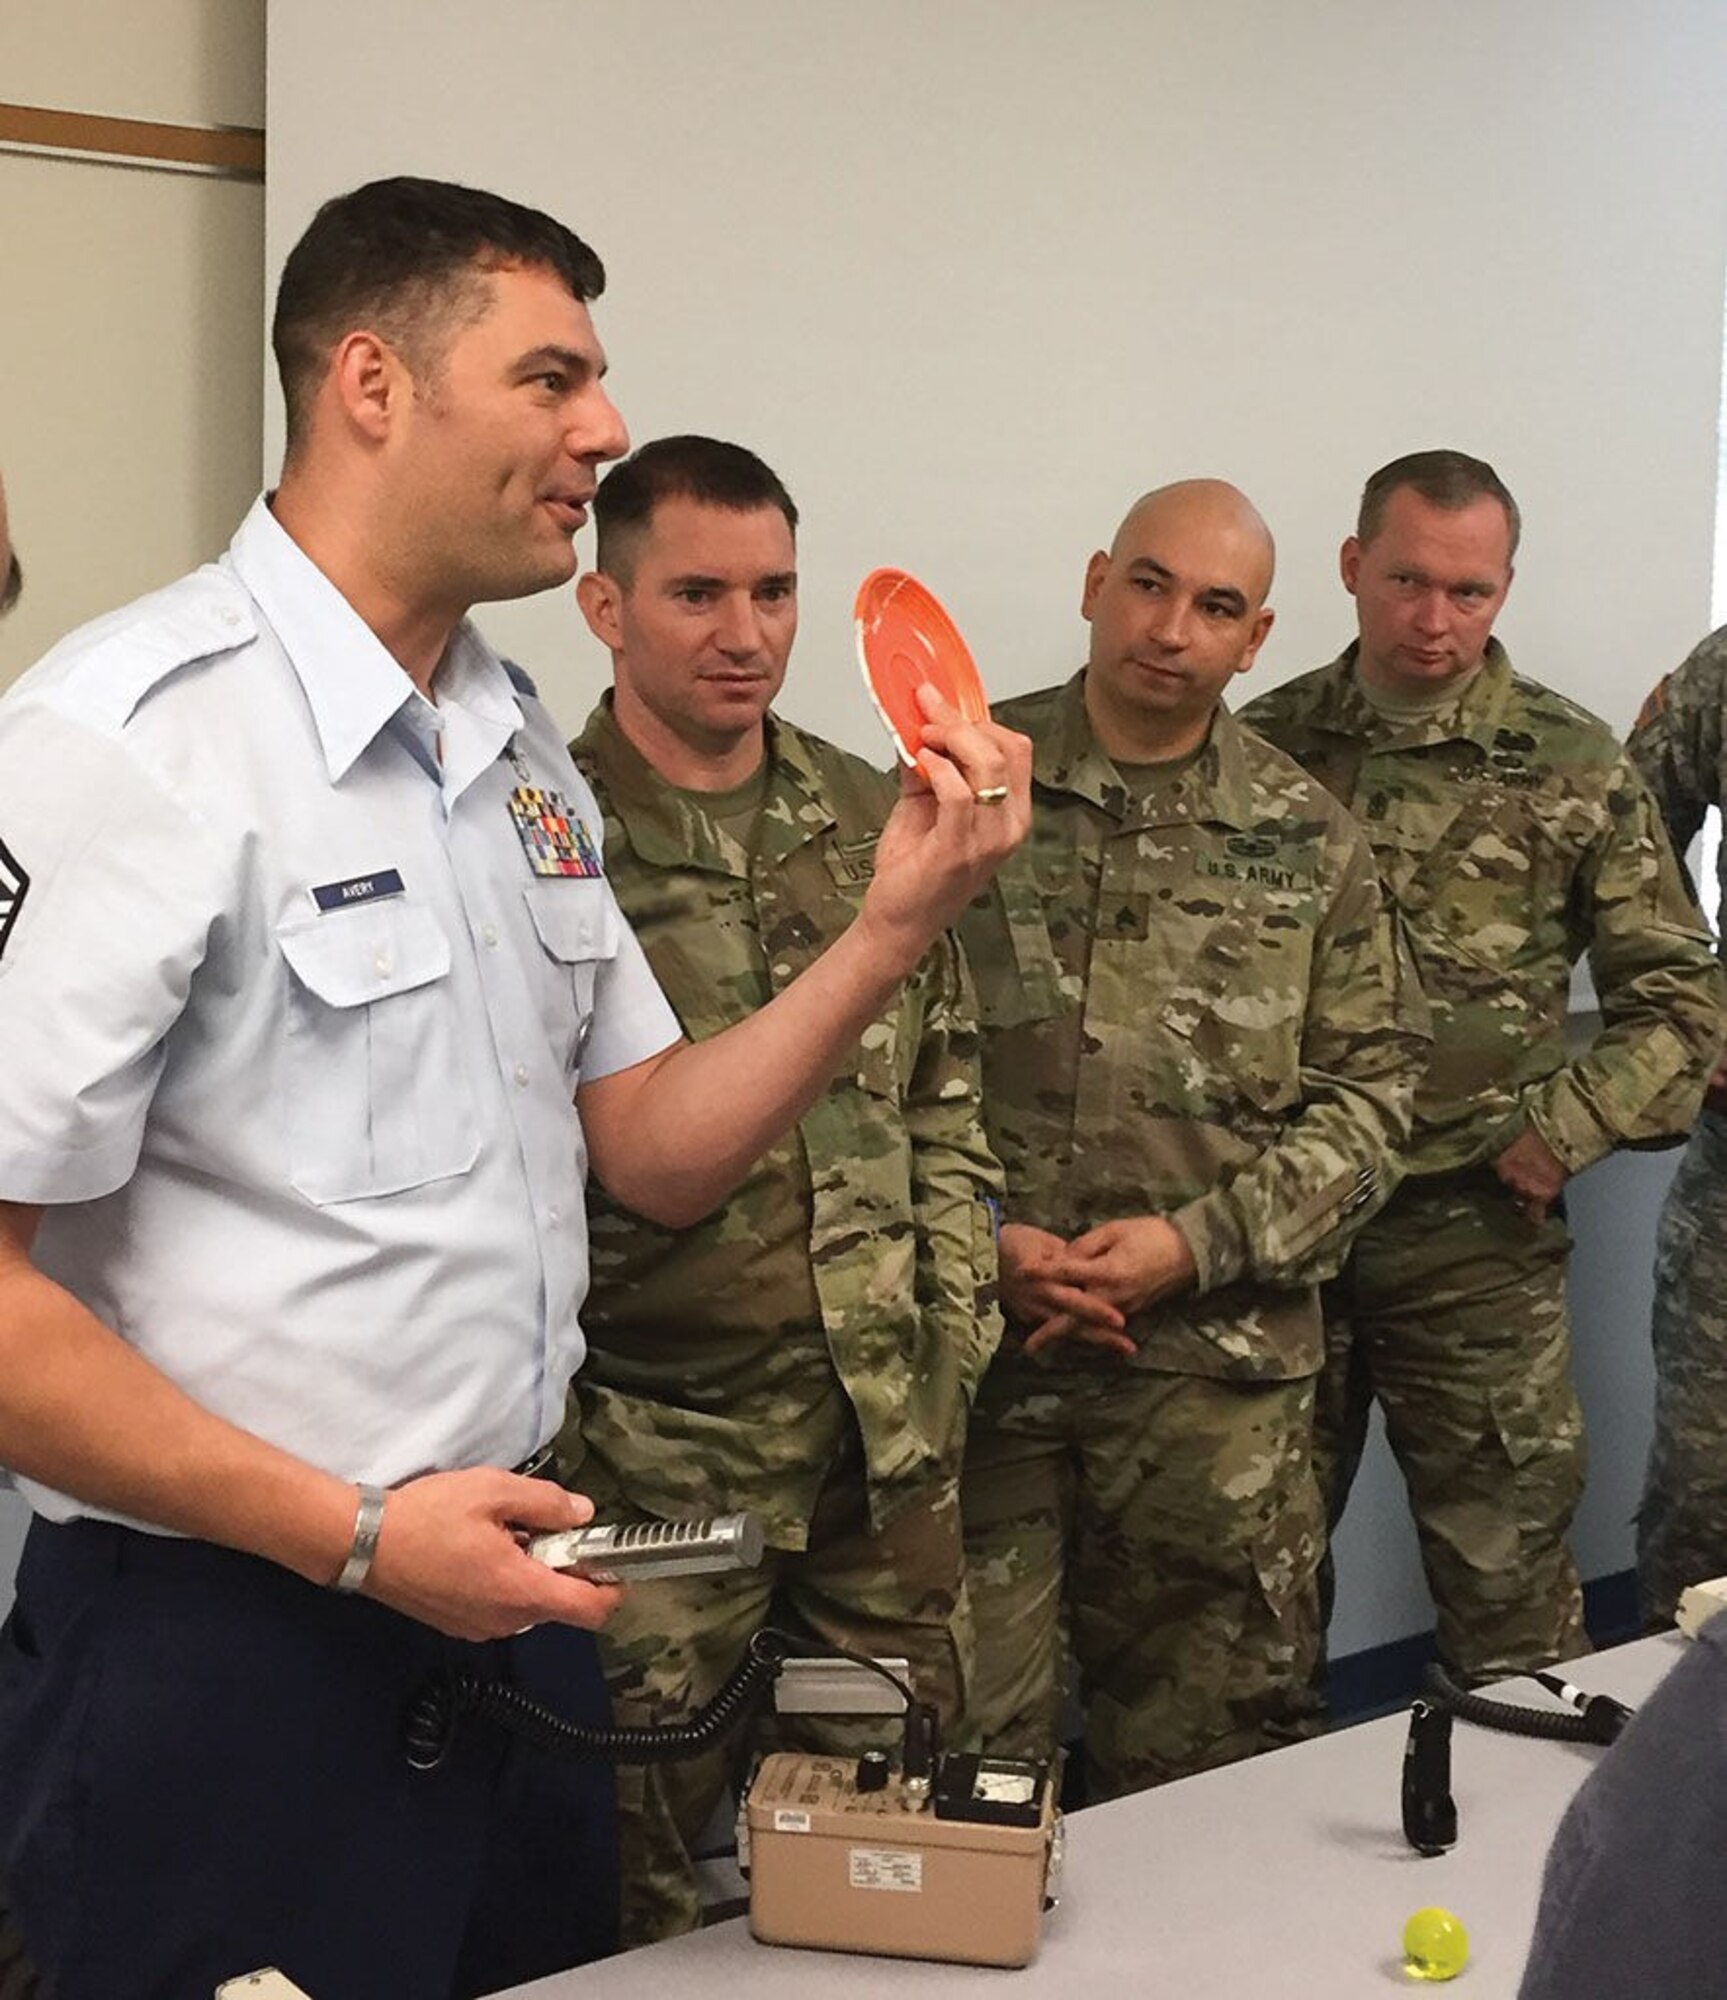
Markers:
point(1513, 837)
point(809, 1351)
point(1201, 1043)
point(1679, 744)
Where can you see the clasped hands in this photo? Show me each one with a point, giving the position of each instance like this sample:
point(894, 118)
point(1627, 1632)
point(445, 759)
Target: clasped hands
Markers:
point(1533, 1173)
point(1085, 1291)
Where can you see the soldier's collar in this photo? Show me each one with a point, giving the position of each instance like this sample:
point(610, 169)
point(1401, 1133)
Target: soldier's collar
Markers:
point(1473, 717)
point(1214, 788)
point(668, 828)
point(354, 687)
point(1065, 757)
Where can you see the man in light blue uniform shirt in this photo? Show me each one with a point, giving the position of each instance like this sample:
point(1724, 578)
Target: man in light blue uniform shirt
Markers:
point(305, 950)
point(311, 874)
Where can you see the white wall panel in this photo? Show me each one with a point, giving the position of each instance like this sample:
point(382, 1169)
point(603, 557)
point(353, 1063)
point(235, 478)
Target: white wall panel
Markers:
point(972, 274)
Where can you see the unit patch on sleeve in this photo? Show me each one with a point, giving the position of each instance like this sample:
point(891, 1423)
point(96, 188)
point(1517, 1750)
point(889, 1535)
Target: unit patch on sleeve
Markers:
point(14, 887)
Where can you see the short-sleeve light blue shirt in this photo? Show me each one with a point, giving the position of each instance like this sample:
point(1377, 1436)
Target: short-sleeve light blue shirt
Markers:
point(292, 1023)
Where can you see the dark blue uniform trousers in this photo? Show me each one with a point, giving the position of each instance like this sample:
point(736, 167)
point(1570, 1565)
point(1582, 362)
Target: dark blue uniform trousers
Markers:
point(202, 1773)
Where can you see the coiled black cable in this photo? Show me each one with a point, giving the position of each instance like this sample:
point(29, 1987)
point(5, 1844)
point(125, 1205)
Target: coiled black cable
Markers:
point(436, 1712)
point(1600, 1722)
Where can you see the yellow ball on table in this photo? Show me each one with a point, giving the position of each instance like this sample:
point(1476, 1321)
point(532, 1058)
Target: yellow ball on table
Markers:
point(1435, 1945)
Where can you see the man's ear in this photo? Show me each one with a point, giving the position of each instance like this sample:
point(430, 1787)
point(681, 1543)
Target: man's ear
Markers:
point(1349, 562)
point(600, 598)
point(1095, 572)
point(370, 382)
point(1261, 627)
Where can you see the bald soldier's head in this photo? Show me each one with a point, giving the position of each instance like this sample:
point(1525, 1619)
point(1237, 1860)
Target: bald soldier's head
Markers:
point(1177, 608)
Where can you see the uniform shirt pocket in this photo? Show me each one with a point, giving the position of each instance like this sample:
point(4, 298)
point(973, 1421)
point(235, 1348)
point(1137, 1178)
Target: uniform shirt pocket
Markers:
point(1241, 1020)
point(379, 1100)
point(577, 923)
point(1252, 1063)
point(1497, 911)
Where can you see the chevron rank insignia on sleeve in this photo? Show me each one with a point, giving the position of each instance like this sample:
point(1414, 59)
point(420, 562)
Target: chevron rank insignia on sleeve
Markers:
point(14, 887)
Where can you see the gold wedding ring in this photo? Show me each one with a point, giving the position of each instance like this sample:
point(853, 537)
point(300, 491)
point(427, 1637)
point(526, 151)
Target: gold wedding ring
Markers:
point(990, 795)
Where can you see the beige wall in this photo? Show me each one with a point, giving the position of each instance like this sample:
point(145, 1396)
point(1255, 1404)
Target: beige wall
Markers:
point(131, 316)
point(131, 327)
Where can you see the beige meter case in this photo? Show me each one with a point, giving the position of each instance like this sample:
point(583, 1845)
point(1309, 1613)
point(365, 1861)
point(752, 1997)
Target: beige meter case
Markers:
point(842, 1870)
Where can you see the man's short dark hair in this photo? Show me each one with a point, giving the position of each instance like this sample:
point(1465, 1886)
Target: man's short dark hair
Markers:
point(1447, 479)
point(11, 584)
point(704, 469)
point(408, 258)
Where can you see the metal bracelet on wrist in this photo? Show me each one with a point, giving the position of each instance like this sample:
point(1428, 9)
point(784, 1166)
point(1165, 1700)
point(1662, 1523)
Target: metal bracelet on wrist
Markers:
point(368, 1519)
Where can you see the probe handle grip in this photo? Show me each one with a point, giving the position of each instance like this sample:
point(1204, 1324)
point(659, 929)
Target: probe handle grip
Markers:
point(644, 1549)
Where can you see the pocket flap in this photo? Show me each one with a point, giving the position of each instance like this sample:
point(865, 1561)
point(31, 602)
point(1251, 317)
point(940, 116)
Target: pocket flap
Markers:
point(1260, 1059)
point(576, 918)
point(355, 956)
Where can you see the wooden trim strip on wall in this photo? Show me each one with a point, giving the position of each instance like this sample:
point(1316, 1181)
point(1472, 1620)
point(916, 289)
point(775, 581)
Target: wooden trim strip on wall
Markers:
point(237, 151)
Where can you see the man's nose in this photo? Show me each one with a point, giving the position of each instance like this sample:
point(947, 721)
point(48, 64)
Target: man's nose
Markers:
point(740, 627)
point(597, 428)
point(1433, 612)
point(1172, 623)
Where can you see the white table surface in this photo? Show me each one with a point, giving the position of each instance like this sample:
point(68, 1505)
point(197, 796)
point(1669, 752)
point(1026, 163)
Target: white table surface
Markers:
point(1280, 1878)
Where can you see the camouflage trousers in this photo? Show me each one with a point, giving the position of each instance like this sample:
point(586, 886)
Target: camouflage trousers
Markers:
point(896, 1593)
point(1682, 1522)
point(1164, 1529)
point(1451, 1314)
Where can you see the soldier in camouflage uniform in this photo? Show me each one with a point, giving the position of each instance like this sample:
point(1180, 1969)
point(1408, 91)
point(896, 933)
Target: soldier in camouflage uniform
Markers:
point(1680, 746)
point(809, 1352)
point(1201, 1042)
point(1512, 836)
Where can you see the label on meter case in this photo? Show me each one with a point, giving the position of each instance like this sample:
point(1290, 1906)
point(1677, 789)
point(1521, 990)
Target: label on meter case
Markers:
point(887, 1868)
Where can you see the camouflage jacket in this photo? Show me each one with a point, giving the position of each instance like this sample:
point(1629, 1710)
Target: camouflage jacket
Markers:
point(1513, 836)
point(857, 1260)
point(1679, 744)
point(1196, 1008)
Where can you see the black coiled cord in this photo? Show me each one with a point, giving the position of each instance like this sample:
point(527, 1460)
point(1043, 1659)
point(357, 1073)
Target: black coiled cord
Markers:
point(1600, 1722)
point(437, 1711)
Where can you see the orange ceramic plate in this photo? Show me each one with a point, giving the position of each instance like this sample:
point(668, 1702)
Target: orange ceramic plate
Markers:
point(905, 638)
